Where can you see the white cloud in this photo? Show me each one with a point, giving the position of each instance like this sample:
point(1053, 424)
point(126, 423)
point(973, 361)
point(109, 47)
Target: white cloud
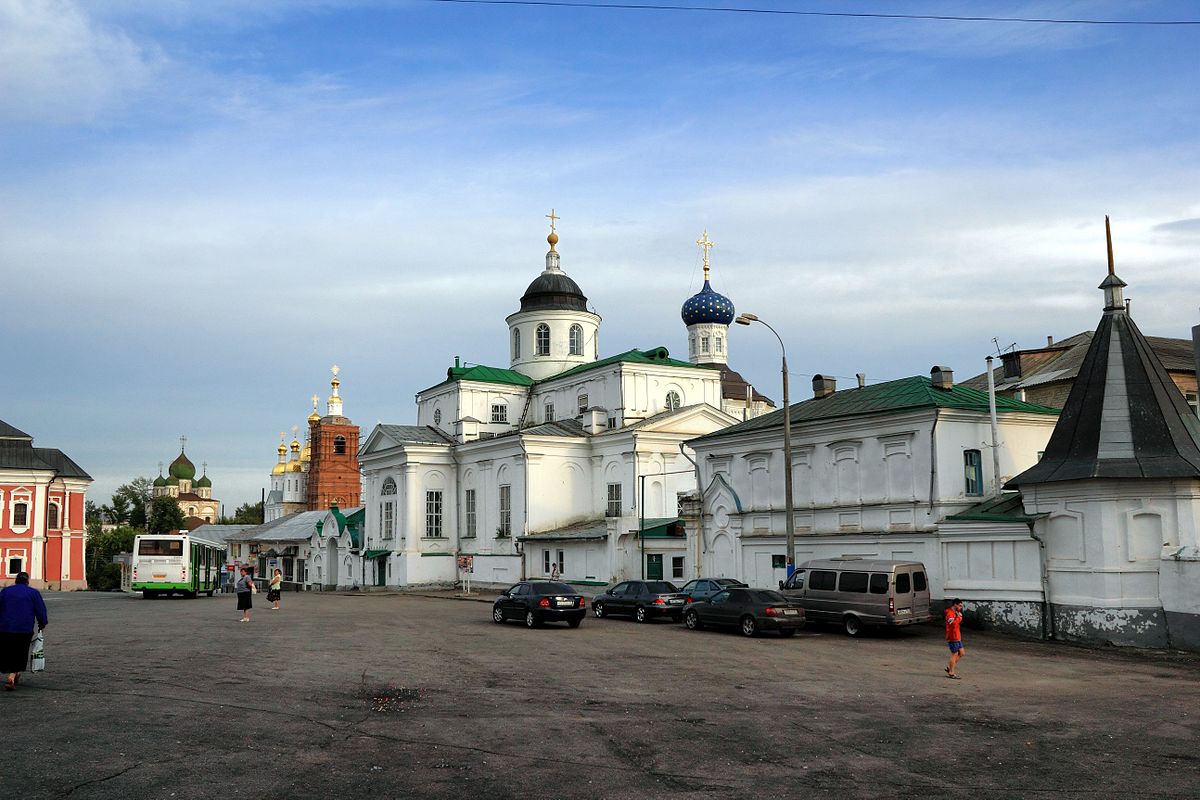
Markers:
point(57, 65)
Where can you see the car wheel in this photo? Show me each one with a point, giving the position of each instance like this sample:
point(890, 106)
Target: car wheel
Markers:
point(574, 623)
point(531, 620)
point(598, 610)
point(852, 625)
point(786, 632)
point(497, 614)
point(749, 626)
point(640, 615)
point(692, 620)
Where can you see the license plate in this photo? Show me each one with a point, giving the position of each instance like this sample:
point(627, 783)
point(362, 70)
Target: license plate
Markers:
point(903, 611)
point(566, 602)
point(160, 575)
point(676, 601)
point(791, 612)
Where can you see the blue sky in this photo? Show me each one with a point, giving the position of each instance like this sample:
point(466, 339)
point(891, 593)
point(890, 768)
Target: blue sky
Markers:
point(205, 205)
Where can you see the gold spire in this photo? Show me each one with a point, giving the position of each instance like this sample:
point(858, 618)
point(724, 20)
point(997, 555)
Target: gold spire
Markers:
point(282, 449)
point(295, 441)
point(707, 244)
point(1108, 236)
point(553, 237)
point(335, 383)
point(314, 416)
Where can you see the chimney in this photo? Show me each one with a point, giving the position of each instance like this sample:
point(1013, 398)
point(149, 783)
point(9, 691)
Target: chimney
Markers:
point(823, 387)
point(942, 378)
point(1049, 341)
point(595, 420)
point(862, 379)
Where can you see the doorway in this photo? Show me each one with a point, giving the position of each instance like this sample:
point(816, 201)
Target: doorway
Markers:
point(654, 566)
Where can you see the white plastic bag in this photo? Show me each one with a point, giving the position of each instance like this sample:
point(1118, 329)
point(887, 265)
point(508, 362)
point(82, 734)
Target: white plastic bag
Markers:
point(37, 653)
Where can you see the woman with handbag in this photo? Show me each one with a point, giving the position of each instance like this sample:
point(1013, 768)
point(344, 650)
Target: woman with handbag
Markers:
point(274, 591)
point(245, 592)
point(21, 607)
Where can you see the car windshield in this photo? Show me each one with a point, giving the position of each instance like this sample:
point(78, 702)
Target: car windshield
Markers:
point(552, 588)
point(660, 587)
point(769, 597)
point(729, 582)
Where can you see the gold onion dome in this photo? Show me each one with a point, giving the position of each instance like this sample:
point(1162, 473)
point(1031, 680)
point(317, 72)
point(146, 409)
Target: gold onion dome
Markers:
point(295, 445)
point(294, 466)
point(306, 453)
point(279, 469)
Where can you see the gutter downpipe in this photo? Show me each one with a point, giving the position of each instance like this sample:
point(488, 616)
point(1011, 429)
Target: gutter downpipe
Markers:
point(46, 536)
point(517, 546)
point(700, 510)
point(458, 520)
point(995, 430)
point(1047, 610)
point(933, 461)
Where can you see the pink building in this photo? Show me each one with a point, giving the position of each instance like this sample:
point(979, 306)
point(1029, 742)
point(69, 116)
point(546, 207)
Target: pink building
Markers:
point(42, 529)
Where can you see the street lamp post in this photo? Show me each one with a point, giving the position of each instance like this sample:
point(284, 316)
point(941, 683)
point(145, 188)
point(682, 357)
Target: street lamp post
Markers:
point(746, 319)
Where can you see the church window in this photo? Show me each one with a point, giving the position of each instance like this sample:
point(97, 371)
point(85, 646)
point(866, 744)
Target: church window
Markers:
point(516, 344)
point(469, 508)
point(614, 500)
point(543, 340)
point(692, 345)
point(20, 515)
point(16, 565)
point(672, 401)
point(549, 412)
point(499, 413)
point(339, 445)
point(973, 468)
point(52, 516)
point(582, 403)
point(576, 340)
point(433, 515)
point(505, 529)
point(720, 344)
point(437, 416)
point(387, 510)
point(703, 344)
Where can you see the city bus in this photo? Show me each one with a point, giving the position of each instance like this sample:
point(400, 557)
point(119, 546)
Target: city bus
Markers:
point(168, 563)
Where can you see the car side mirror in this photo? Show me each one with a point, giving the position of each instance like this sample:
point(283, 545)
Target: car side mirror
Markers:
point(781, 584)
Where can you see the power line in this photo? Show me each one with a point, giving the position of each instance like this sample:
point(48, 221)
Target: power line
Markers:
point(796, 13)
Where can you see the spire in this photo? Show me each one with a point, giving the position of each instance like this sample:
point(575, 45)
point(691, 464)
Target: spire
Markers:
point(295, 441)
point(182, 443)
point(335, 401)
point(282, 449)
point(552, 263)
point(1114, 298)
point(314, 416)
point(707, 244)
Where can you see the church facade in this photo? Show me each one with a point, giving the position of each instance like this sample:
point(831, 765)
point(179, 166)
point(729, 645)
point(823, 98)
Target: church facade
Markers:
point(560, 458)
point(194, 495)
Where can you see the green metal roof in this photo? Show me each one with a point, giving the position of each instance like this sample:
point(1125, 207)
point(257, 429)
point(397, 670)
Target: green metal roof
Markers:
point(662, 528)
point(377, 553)
point(905, 394)
point(488, 375)
point(657, 355)
point(1005, 508)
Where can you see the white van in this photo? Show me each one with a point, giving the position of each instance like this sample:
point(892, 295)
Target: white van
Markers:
point(856, 592)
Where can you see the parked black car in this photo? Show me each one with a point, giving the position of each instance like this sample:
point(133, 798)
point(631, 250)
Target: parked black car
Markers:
point(704, 588)
point(536, 602)
point(750, 610)
point(642, 600)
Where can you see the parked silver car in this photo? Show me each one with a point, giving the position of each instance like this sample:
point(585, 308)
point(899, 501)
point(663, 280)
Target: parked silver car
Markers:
point(856, 592)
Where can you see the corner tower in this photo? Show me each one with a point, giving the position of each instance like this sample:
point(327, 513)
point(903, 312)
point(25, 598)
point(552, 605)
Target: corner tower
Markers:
point(553, 331)
point(707, 315)
point(333, 476)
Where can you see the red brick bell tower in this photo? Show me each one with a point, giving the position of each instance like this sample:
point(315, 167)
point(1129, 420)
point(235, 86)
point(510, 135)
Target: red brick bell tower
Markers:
point(333, 476)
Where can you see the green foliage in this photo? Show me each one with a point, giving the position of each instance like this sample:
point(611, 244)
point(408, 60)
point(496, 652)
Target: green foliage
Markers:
point(102, 574)
point(248, 514)
point(165, 516)
point(136, 496)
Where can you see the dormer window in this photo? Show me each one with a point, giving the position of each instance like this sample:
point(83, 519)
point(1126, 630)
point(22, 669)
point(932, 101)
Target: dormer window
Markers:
point(543, 340)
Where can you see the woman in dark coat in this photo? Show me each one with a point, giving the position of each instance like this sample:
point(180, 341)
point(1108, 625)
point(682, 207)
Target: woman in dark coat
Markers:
point(245, 593)
point(21, 607)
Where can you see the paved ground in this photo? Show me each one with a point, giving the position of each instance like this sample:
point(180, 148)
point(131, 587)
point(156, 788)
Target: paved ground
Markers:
point(406, 697)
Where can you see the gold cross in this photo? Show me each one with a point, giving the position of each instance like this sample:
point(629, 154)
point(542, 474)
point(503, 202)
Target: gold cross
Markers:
point(552, 217)
point(315, 400)
point(335, 370)
point(707, 244)
point(294, 429)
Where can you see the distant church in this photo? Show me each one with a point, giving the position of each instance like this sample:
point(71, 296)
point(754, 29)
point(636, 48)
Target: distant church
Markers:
point(194, 495)
point(324, 472)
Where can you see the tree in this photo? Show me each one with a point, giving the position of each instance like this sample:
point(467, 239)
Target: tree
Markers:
point(102, 574)
point(118, 510)
point(135, 496)
point(165, 516)
point(248, 514)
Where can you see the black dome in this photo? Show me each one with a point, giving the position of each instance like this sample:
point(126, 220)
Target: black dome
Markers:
point(553, 290)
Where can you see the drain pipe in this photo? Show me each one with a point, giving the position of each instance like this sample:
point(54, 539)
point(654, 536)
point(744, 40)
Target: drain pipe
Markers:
point(995, 430)
point(1048, 610)
point(933, 462)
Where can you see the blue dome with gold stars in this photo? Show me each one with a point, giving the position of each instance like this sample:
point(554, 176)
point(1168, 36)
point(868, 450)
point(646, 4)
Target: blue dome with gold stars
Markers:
point(707, 306)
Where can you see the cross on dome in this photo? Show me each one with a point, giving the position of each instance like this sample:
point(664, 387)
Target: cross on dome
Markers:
point(707, 244)
point(182, 443)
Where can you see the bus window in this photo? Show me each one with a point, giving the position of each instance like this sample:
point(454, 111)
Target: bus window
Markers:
point(160, 547)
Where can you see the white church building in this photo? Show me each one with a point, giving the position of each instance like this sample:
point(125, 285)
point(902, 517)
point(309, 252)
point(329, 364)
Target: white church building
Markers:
point(559, 458)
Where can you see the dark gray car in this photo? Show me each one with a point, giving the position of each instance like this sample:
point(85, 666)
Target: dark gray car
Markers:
point(642, 600)
point(702, 589)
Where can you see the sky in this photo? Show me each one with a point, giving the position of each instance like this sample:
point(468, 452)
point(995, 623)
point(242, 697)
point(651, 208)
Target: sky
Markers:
point(205, 205)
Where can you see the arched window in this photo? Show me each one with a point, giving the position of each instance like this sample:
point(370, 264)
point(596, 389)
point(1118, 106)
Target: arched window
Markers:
point(387, 510)
point(543, 340)
point(576, 340)
point(437, 416)
point(516, 344)
point(389, 487)
point(549, 412)
point(339, 445)
point(20, 515)
point(52, 516)
point(672, 401)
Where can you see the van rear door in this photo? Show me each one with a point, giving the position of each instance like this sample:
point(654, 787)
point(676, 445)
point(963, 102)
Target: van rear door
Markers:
point(920, 594)
point(902, 593)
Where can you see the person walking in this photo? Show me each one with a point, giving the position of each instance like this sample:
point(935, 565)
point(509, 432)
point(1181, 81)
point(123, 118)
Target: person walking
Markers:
point(554, 571)
point(245, 593)
point(954, 637)
point(276, 587)
point(21, 606)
